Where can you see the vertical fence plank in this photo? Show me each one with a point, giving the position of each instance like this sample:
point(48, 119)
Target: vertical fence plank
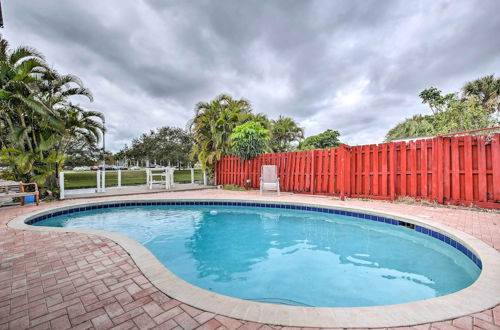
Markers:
point(455, 170)
point(424, 170)
point(392, 170)
point(347, 171)
point(332, 156)
point(359, 171)
point(318, 171)
point(384, 155)
point(403, 168)
point(481, 169)
point(468, 168)
point(375, 172)
point(446, 168)
point(440, 169)
point(495, 161)
point(366, 169)
point(413, 169)
point(312, 164)
point(290, 165)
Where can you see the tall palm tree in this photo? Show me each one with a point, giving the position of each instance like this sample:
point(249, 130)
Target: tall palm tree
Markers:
point(37, 118)
point(487, 91)
point(80, 124)
point(20, 69)
point(284, 132)
point(213, 124)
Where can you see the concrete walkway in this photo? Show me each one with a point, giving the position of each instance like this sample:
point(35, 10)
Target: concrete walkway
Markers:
point(54, 280)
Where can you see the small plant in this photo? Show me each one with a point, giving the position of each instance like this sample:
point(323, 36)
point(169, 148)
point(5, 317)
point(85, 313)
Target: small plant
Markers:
point(233, 187)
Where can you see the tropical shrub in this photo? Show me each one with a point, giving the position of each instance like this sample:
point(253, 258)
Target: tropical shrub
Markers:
point(327, 139)
point(249, 140)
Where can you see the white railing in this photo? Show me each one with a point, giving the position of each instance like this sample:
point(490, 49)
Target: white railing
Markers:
point(165, 178)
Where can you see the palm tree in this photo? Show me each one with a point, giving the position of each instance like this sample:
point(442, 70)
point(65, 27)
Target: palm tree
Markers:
point(487, 91)
point(284, 132)
point(37, 118)
point(81, 124)
point(213, 124)
point(19, 75)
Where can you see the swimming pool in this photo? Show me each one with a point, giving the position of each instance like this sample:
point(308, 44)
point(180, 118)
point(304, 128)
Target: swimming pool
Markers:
point(288, 254)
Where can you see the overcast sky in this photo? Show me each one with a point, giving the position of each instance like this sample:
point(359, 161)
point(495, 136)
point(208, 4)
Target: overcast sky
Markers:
point(352, 66)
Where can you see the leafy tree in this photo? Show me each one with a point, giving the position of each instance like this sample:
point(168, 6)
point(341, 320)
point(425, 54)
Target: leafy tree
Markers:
point(418, 125)
point(284, 131)
point(327, 139)
point(81, 153)
point(248, 140)
point(437, 102)
point(165, 145)
point(464, 115)
point(212, 126)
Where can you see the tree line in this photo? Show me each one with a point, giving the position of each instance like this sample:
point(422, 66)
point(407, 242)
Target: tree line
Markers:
point(223, 126)
point(475, 106)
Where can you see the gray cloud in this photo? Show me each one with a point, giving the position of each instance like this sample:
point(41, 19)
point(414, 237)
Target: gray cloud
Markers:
point(355, 66)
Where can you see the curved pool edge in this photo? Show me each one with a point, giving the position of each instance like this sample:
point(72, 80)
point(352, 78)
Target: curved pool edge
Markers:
point(483, 294)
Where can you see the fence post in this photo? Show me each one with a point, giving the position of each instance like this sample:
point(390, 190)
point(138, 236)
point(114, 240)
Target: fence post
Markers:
point(98, 180)
point(103, 183)
point(61, 185)
point(204, 178)
point(192, 175)
point(119, 178)
point(167, 178)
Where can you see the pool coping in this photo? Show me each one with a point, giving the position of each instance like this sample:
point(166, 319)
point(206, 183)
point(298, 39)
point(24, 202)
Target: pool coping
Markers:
point(483, 294)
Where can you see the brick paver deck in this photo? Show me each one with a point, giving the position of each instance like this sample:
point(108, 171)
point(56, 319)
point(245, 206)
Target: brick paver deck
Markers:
point(65, 280)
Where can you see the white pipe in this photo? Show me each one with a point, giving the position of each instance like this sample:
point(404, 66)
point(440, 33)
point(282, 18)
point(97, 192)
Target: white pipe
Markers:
point(119, 178)
point(61, 185)
point(192, 175)
point(204, 178)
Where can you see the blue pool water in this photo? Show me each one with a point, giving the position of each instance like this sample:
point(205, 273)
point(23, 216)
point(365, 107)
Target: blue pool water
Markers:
point(288, 256)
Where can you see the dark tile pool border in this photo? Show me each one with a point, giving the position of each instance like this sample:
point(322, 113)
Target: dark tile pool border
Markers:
point(418, 228)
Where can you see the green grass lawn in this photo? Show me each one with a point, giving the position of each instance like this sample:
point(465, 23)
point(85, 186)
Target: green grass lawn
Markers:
point(88, 179)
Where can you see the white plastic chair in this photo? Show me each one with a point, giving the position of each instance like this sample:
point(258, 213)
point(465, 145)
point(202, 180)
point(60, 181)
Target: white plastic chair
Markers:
point(269, 179)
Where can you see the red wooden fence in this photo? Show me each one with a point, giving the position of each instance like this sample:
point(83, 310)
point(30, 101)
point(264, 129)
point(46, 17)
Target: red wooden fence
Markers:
point(449, 170)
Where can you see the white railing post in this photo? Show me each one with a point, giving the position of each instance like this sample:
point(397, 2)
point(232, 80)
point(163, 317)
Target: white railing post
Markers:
point(204, 178)
point(192, 175)
point(98, 180)
point(167, 179)
point(103, 183)
point(148, 178)
point(119, 178)
point(61, 185)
